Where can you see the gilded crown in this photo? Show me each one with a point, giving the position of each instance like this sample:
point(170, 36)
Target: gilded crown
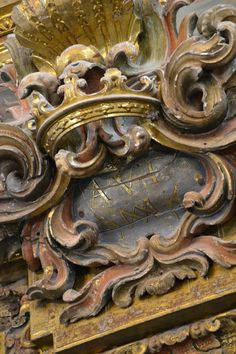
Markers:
point(116, 98)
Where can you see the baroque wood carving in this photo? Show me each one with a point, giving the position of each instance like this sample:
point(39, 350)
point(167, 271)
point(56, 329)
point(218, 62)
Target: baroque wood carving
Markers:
point(119, 156)
point(205, 336)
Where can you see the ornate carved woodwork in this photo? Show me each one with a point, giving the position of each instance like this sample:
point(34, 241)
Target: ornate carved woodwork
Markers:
point(6, 27)
point(118, 172)
point(199, 337)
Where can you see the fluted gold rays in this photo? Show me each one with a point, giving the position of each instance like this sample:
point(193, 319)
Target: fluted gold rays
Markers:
point(49, 27)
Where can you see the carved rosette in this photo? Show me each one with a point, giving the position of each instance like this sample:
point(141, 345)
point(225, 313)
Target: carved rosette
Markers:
point(120, 157)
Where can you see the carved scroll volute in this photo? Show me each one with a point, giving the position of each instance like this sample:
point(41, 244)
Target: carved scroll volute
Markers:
point(57, 276)
point(197, 109)
point(25, 174)
point(21, 151)
point(192, 67)
point(28, 180)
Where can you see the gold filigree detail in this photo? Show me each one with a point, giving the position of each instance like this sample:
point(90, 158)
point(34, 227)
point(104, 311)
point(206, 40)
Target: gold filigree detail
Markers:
point(6, 25)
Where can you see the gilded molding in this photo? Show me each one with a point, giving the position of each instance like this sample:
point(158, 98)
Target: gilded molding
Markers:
point(6, 25)
point(208, 336)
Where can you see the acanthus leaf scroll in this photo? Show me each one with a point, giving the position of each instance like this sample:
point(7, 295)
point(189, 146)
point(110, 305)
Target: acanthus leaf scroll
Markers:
point(96, 167)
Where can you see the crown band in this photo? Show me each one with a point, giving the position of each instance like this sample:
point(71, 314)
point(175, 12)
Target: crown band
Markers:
point(91, 110)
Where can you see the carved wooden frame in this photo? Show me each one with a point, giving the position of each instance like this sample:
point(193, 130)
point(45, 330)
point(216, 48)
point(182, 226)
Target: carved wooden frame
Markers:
point(118, 99)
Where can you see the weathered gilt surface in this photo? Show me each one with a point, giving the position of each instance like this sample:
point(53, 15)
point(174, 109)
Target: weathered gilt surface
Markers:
point(118, 176)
